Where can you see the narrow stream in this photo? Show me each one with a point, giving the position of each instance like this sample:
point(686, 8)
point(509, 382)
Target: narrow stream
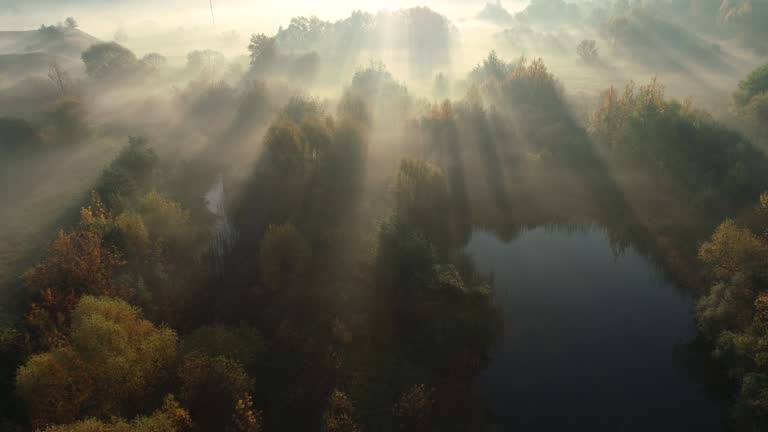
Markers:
point(224, 231)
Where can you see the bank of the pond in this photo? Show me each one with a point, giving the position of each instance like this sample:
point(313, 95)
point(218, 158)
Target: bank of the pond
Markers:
point(592, 340)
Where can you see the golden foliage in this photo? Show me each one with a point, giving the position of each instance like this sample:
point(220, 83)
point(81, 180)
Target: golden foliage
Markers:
point(113, 358)
point(734, 249)
point(245, 418)
point(170, 418)
point(340, 414)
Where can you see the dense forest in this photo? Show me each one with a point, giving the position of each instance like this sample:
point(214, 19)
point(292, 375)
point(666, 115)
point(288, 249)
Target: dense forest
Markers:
point(270, 232)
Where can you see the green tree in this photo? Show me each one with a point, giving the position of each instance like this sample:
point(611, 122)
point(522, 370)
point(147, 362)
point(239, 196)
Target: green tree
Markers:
point(162, 247)
point(70, 23)
point(457, 323)
point(587, 50)
point(128, 176)
point(751, 104)
point(205, 60)
point(67, 122)
point(755, 84)
point(262, 49)
point(284, 257)
point(243, 344)
point(18, 135)
point(286, 149)
point(424, 202)
point(14, 349)
point(154, 61)
point(110, 61)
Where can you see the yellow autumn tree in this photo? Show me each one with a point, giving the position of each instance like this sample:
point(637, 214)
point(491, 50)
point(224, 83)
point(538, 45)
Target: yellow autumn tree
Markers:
point(112, 360)
point(172, 417)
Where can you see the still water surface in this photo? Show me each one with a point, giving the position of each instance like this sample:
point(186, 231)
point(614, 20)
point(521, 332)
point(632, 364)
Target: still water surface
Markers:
point(592, 341)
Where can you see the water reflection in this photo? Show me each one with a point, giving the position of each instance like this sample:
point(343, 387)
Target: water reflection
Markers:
point(224, 231)
point(591, 340)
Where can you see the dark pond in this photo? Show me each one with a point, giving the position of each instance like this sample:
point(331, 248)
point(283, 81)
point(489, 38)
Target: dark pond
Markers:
point(593, 341)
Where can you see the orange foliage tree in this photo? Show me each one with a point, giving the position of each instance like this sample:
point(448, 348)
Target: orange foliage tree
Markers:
point(78, 263)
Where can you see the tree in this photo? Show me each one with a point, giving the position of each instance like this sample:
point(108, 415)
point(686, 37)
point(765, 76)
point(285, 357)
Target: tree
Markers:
point(441, 88)
point(405, 258)
point(340, 415)
point(18, 135)
point(113, 360)
point(243, 344)
point(49, 31)
point(245, 418)
point(132, 237)
point(492, 68)
point(431, 38)
point(587, 50)
point(67, 122)
point(14, 349)
point(169, 223)
point(262, 49)
point(162, 247)
point(423, 200)
point(154, 61)
point(738, 261)
point(755, 84)
point(70, 23)
point(386, 95)
point(734, 312)
point(110, 60)
point(679, 148)
point(59, 77)
point(211, 388)
point(78, 263)
point(284, 257)
point(456, 321)
point(286, 149)
point(128, 176)
point(413, 409)
point(171, 417)
point(205, 61)
point(751, 104)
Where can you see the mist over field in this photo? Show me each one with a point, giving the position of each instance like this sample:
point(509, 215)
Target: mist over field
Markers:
point(350, 216)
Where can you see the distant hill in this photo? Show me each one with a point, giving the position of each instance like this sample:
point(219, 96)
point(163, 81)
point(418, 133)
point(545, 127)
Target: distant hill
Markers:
point(25, 53)
point(49, 40)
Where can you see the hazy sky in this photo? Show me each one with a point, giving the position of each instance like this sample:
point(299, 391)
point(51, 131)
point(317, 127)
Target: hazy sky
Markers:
point(103, 17)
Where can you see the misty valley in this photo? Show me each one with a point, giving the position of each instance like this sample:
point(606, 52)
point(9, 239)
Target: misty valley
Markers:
point(245, 216)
